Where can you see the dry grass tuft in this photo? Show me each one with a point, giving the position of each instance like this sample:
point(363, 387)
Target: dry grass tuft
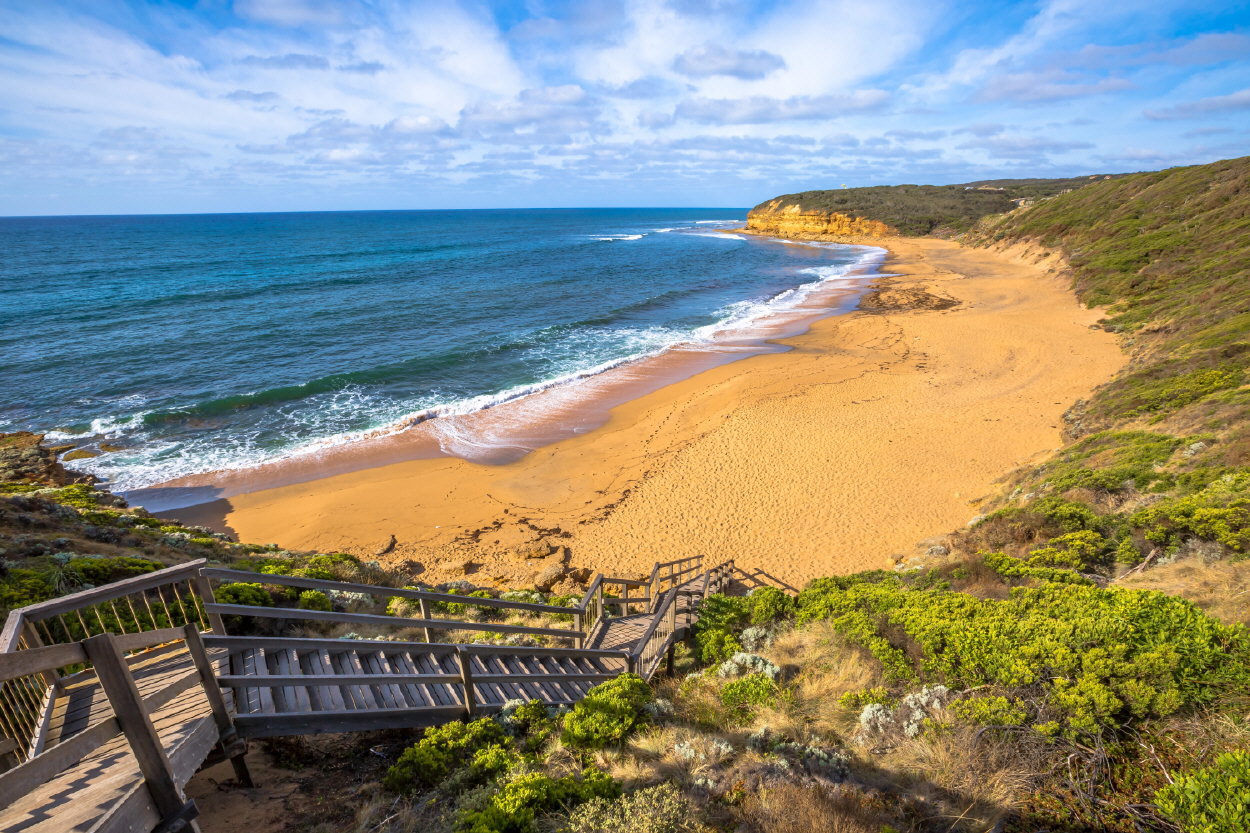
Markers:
point(829, 667)
point(1221, 588)
point(975, 778)
point(794, 808)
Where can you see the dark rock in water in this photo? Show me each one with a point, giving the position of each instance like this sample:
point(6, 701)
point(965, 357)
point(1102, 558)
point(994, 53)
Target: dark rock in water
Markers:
point(22, 457)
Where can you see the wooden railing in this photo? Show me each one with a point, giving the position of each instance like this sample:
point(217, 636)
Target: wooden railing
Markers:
point(423, 597)
point(131, 713)
point(672, 617)
point(153, 603)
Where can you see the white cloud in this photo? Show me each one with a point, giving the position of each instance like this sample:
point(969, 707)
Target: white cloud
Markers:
point(1214, 105)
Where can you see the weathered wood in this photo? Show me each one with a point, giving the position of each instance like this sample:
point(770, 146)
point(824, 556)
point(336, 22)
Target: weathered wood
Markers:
point(276, 725)
point(147, 639)
point(375, 590)
point(375, 619)
point(20, 780)
point(480, 648)
point(35, 660)
point(123, 696)
point(204, 589)
point(289, 680)
point(466, 680)
point(331, 645)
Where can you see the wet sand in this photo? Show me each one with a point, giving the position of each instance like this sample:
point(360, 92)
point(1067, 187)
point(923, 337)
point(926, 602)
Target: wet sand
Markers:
point(874, 431)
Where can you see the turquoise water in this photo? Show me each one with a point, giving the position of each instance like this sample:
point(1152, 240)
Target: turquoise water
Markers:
point(196, 343)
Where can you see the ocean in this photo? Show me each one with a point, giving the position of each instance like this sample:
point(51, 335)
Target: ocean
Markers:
point(187, 344)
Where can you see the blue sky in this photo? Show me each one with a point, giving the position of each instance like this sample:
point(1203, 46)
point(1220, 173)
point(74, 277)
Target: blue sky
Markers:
point(109, 106)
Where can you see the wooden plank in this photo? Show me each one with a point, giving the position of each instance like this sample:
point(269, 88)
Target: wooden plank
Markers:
point(354, 696)
point(20, 780)
point(376, 619)
point(315, 663)
point(148, 639)
point(481, 649)
point(335, 679)
point(25, 663)
point(262, 726)
point(414, 695)
point(514, 679)
point(423, 663)
point(331, 645)
point(466, 678)
point(374, 663)
point(376, 590)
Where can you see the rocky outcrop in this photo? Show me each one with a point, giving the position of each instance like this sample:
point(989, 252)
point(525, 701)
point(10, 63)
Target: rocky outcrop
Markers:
point(791, 220)
point(24, 458)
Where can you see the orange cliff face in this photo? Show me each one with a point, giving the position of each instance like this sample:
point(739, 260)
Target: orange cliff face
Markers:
point(793, 221)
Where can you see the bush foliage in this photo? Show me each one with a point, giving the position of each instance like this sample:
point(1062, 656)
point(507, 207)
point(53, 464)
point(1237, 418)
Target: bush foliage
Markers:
point(608, 714)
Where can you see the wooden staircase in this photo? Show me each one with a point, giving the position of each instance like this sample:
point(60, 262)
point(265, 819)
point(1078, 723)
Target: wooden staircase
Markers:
point(111, 698)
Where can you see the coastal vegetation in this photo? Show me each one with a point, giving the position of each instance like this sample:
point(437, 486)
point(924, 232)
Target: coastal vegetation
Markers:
point(1075, 659)
point(925, 209)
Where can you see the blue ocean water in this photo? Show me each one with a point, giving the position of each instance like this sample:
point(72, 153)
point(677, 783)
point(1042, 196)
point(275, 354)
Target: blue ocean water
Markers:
point(195, 343)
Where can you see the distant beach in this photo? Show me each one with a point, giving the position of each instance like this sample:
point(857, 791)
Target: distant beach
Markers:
point(835, 453)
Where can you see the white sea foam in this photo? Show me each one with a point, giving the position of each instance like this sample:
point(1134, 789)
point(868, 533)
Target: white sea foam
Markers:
point(611, 237)
point(716, 236)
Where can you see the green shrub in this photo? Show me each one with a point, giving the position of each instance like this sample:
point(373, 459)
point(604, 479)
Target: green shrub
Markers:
point(444, 749)
point(1215, 799)
point(721, 618)
point(243, 593)
point(608, 714)
point(1011, 568)
point(1100, 657)
point(858, 699)
point(1219, 512)
point(314, 600)
point(21, 586)
point(742, 696)
point(516, 806)
point(98, 571)
point(990, 711)
point(769, 604)
point(659, 809)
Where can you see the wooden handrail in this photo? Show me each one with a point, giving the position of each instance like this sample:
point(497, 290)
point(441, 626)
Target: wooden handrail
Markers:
point(34, 660)
point(377, 590)
point(376, 619)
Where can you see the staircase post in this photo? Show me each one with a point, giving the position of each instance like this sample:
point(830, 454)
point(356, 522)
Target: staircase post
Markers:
point(232, 746)
point(466, 679)
point(119, 687)
point(425, 614)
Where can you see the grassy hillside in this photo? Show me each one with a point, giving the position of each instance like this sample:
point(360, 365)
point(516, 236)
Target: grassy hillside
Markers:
point(925, 209)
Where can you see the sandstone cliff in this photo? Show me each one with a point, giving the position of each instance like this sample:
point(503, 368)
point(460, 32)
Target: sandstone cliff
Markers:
point(792, 220)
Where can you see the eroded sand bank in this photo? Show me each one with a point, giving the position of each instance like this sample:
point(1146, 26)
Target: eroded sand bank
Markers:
point(877, 430)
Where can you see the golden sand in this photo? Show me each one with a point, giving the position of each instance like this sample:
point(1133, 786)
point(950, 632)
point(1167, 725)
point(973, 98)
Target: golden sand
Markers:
point(876, 430)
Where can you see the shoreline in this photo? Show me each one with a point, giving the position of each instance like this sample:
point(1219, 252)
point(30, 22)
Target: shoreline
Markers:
point(871, 430)
point(507, 430)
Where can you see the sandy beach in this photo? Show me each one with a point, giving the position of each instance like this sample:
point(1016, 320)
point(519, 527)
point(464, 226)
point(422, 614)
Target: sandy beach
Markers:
point(876, 430)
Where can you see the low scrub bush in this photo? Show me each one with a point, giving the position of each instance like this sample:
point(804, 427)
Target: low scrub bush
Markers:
point(517, 805)
point(480, 745)
point(243, 593)
point(608, 714)
point(314, 600)
point(1101, 657)
point(1215, 799)
point(741, 697)
point(659, 809)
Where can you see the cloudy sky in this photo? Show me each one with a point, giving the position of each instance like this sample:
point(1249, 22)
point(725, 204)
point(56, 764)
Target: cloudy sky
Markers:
point(108, 106)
